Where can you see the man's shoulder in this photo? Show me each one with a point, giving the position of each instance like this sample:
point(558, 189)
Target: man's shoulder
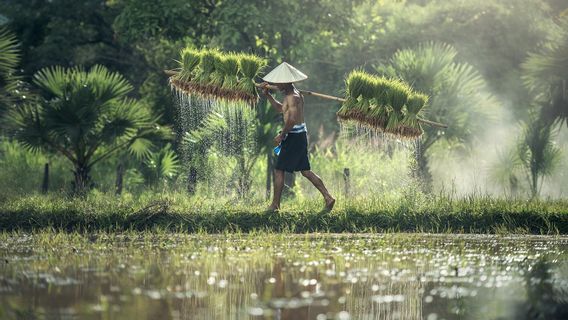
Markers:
point(294, 98)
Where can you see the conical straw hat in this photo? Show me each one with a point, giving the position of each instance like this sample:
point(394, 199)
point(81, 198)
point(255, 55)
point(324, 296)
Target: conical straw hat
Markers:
point(284, 73)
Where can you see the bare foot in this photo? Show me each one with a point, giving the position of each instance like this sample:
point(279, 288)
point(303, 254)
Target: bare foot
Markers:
point(329, 203)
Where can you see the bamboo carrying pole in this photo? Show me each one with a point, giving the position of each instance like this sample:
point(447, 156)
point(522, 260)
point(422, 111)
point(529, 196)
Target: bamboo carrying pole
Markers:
point(323, 96)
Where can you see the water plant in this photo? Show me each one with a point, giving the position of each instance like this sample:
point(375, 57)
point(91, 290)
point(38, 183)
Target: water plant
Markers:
point(85, 117)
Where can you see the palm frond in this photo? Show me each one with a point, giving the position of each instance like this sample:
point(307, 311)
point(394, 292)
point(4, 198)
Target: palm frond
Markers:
point(160, 165)
point(28, 126)
point(545, 74)
point(9, 53)
point(140, 147)
point(107, 85)
point(56, 80)
point(9, 59)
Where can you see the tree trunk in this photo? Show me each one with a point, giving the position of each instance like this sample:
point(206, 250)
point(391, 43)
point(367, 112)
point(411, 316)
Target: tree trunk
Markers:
point(347, 181)
point(244, 182)
point(534, 184)
point(119, 178)
point(82, 181)
point(45, 183)
point(191, 180)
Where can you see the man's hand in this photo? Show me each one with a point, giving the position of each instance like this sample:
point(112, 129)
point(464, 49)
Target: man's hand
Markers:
point(265, 89)
point(278, 139)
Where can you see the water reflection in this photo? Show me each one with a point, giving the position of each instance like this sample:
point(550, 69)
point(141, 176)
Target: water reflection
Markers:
point(265, 276)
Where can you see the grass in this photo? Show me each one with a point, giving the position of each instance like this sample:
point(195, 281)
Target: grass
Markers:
point(181, 213)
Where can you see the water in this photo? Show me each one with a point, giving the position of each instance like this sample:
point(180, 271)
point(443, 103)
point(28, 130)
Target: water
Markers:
point(272, 276)
point(373, 138)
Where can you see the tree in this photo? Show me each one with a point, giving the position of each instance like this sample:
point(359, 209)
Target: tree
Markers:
point(67, 33)
point(9, 59)
point(160, 166)
point(546, 76)
point(458, 97)
point(86, 117)
point(538, 154)
point(491, 35)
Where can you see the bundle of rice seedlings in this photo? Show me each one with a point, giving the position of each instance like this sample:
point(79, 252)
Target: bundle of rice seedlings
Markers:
point(378, 115)
point(207, 65)
point(414, 106)
point(367, 87)
point(398, 96)
point(190, 59)
point(250, 67)
point(229, 67)
point(217, 77)
point(354, 84)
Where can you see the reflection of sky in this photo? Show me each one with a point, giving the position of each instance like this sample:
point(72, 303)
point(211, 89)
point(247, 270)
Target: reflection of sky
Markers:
point(285, 276)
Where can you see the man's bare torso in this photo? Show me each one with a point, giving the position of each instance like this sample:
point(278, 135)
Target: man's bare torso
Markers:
point(293, 108)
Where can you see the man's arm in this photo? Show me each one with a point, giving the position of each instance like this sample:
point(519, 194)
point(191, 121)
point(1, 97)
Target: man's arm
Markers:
point(277, 105)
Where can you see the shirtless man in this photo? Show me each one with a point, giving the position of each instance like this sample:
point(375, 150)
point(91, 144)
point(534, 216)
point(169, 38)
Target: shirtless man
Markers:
point(293, 137)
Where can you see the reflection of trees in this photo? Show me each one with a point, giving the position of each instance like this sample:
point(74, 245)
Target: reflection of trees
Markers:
point(544, 299)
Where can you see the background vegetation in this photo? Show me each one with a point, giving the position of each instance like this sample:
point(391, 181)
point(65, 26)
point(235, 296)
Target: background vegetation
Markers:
point(495, 70)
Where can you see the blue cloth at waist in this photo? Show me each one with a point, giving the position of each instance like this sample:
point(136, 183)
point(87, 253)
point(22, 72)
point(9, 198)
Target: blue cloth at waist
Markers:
point(299, 128)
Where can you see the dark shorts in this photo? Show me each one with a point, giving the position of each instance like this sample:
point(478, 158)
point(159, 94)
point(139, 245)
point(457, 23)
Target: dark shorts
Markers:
point(294, 153)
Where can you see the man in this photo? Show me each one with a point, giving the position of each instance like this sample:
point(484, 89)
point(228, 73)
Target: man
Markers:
point(293, 137)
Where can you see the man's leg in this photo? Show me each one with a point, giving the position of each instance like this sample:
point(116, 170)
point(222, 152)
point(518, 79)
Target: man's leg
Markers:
point(318, 183)
point(278, 186)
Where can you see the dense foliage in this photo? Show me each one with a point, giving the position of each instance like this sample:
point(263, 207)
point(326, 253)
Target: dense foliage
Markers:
point(506, 62)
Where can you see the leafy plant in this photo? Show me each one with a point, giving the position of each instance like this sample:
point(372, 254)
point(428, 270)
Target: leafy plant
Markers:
point(86, 117)
point(545, 74)
point(538, 153)
point(458, 96)
point(9, 59)
point(160, 166)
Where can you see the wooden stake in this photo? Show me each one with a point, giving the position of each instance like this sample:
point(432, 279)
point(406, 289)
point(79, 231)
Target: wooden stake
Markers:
point(45, 182)
point(347, 181)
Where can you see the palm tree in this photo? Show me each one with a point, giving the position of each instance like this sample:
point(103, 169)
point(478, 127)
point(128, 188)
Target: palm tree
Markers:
point(9, 59)
point(160, 166)
point(538, 154)
point(85, 116)
point(458, 97)
point(546, 77)
point(545, 74)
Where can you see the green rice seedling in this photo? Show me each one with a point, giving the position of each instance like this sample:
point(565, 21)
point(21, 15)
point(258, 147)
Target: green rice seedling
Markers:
point(354, 84)
point(217, 76)
point(249, 68)
point(190, 59)
point(207, 66)
point(229, 67)
point(378, 114)
point(398, 96)
point(367, 89)
point(414, 105)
